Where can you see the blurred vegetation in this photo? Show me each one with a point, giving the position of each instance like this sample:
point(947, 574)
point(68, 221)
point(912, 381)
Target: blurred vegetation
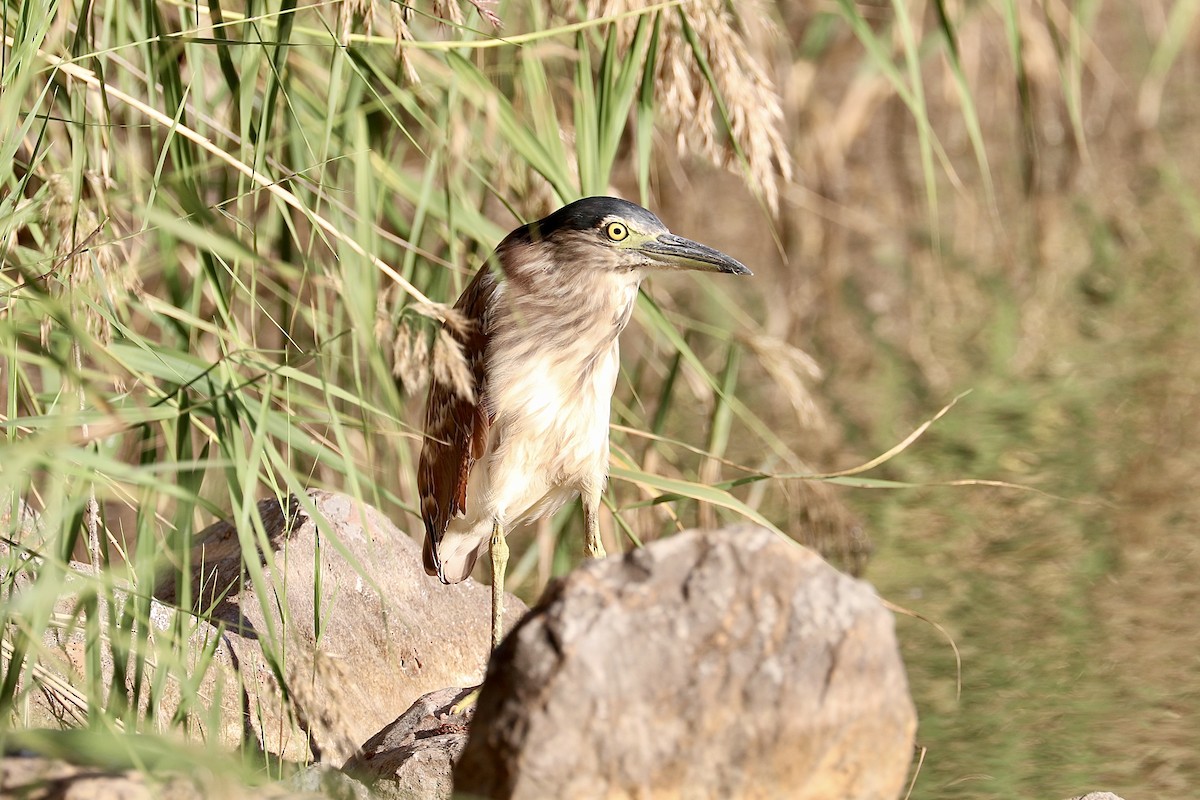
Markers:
point(227, 233)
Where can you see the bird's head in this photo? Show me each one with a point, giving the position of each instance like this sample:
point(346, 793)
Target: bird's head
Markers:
point(610, 234)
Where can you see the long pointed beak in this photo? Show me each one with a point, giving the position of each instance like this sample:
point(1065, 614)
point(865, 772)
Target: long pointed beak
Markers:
point(675, 252)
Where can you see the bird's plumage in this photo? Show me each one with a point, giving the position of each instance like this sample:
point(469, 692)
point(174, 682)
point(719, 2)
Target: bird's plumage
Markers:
point(588, 214)
point(545, 316)
point(456, 425)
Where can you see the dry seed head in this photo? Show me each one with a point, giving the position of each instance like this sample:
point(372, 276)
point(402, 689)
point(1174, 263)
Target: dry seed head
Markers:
point(430, 310)
point(487, 10)
point(448, 10)
point(410, 359)
point(458, 322)
point(58, 203)
point(828, 525)
point(383, 318)
point(317, 688)
point(686, 99)
point(351, 9)
point(400, 16)
point(790, 369)
point(86, 262)
point(450, 366)
point(531, 195)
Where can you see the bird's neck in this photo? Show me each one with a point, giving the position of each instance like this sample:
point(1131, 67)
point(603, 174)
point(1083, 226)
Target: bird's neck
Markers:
point(544, 292)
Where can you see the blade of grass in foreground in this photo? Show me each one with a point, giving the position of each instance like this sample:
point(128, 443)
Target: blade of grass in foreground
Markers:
point(695, 491)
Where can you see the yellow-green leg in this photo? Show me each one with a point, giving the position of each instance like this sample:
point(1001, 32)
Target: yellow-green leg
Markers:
point(592, 546)
point(499, 565)
point(499, 551)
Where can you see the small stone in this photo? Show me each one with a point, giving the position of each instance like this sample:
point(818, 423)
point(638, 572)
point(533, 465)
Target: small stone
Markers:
point(412, 758)
point(322, 780)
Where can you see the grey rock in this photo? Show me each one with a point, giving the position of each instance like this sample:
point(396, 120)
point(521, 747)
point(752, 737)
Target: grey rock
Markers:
point(412, 758)
point(388, 633)
point(44, 778)
point(38, 778)
point(323, 780)
point(711, 664)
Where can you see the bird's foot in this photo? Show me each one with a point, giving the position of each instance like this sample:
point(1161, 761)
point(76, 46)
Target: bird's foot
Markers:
point(467, 703)
point(592, 546)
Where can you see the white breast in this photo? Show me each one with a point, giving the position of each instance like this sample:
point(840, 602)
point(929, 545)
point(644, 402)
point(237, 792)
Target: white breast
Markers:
point(549, 439)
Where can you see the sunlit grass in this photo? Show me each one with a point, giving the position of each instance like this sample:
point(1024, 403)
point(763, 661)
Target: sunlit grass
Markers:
point(285, 199)
point(290, 202)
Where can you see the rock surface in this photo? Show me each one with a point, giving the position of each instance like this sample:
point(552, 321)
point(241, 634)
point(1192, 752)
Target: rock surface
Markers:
point(322, 780)
point(412, 758)
point(45, 779)
point(34, 778)
point(388, 633)
point(711, 664)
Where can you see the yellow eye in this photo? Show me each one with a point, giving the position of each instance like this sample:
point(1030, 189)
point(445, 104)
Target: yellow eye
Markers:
point(616, 231)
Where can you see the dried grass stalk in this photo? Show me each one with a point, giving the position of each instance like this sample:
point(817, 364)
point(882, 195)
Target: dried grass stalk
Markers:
point(85, 265)
point(400, 16)
point(791, 369)
point(686, 99)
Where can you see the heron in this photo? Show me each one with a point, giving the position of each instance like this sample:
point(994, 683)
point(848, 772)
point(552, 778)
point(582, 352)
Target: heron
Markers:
point(530, 434)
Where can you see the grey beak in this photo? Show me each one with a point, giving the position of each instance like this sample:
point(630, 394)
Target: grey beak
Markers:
point(675, 252)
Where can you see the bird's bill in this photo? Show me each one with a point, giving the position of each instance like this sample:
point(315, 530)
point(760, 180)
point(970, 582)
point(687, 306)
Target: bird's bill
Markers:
point(675, 252)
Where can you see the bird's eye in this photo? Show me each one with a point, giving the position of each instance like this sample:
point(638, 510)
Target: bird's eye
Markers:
point(616, 231)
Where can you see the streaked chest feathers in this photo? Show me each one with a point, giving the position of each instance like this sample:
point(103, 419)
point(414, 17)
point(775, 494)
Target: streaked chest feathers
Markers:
point(550, 393)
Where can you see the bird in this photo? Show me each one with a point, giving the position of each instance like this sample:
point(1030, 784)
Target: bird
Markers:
point(530, 433)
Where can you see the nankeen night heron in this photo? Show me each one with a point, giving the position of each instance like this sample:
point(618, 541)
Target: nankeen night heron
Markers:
point(544, 316)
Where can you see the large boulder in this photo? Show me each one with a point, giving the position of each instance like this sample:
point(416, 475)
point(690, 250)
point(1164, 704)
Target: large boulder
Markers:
point(41, 778)
point(725, 664)
point(351, 650)
point(356, 643)
point(37, 778)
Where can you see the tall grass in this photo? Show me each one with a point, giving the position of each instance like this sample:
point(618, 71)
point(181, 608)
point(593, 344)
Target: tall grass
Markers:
point(229, 240)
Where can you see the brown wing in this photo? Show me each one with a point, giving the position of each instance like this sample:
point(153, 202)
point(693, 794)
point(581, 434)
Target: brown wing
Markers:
point(456, 428)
